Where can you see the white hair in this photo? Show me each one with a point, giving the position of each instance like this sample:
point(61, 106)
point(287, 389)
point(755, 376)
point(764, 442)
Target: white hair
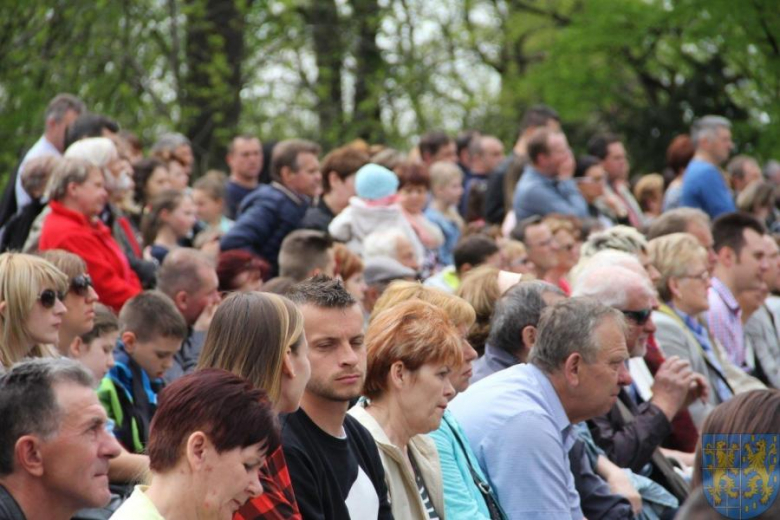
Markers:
point(98, 151)
point(607, 258)
point(611, 285)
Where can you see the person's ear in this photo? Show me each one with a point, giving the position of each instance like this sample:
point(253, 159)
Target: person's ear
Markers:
point(129, 339)
point(674, 287)
point(3, 307)
point(77, 348)
point(572, 368)
point(197, 447)
point(27, 451)
point(726, 256)
point(181, 299)
point(285, 173)
point(287, 366)
point(334, 180)
point(528, 336)
point(398, 375)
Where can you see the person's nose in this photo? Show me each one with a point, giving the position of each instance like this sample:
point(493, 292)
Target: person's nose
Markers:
point(650, 326)
point(92, 295)
point(255, 488)
point(348, 355)
point(449, 390)
point(109, 446)
point(59, 308)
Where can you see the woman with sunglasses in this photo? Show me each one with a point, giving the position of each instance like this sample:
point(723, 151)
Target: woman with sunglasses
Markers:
point(80, 297)
point(31, 308)
point(683, 287)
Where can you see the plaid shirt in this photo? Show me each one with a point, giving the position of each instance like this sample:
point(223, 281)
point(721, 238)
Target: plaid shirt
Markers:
point(278, 500)
point(724, 319)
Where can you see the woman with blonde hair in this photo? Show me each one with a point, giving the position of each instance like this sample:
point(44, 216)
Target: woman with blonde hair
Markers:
point(31, 308)
point(412, 350)
point(259, 336)
point(467, 493)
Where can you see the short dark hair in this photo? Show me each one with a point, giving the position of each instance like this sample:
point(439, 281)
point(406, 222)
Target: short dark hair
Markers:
point(28, 404)
point(89, 125)
point(521, 228)
point(227, 408)
point(473, 250)
point(431, 142)
point(728, 230)
point(344, 161)
point(152, 314)
point(585, 163)
point(142, 172)
point(321, 291)
point(538, 115)
point(285, 154)
point(519, 307)
point(105, 323)
point(538, 143)
point(302, 251)
point(598, 145)
point(243, 137)
point(463, 140)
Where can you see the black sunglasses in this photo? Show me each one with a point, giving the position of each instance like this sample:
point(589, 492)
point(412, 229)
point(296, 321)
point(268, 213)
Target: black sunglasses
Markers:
point(638, 317)
point(81, 284)
point(49, 297)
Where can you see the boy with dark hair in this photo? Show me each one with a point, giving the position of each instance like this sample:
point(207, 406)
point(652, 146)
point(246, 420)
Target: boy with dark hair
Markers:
point(333, 461)
point(95, 349)
point(152, 332)
point(471, 251)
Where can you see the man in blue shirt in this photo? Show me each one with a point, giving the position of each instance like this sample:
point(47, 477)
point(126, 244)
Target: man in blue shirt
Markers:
point(704, 185)
point(542, 188)
point(574, 373)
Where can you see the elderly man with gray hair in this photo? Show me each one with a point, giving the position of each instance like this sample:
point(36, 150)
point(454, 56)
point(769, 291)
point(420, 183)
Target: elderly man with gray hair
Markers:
point(704, 186)
point(513, 326)
point(574, 372)
point(54, 445)
point(634, 428)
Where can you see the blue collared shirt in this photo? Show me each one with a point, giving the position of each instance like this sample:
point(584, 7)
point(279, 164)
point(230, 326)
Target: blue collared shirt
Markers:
point(524, 431)
point(493, 360)
point(536, 194)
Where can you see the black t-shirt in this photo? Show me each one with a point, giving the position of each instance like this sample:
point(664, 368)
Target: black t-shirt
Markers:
point(334, 479)
point(234, 194)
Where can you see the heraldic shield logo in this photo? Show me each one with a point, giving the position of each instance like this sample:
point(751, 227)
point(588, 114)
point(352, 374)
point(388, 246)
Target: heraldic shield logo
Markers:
point(740, 473)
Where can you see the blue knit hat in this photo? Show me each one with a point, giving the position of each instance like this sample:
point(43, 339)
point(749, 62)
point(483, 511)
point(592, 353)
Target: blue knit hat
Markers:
point(374, 182)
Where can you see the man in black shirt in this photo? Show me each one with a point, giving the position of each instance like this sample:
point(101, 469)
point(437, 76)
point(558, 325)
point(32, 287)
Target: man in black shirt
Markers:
point(333, 461)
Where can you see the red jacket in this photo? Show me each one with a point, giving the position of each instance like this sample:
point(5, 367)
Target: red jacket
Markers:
point(66, 229)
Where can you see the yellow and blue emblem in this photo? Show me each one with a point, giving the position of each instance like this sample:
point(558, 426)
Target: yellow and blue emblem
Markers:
point(740, 473)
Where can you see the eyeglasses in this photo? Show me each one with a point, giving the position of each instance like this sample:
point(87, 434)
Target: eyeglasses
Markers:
point(703, 276)
point(49, 297)
point(81, 284)
point(638, 317)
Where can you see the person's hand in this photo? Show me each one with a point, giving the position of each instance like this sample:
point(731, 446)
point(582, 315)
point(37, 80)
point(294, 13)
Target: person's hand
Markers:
point(204, 320)
point(614, 204)
point(700, 389)
point(620, 484)
point(672, 385)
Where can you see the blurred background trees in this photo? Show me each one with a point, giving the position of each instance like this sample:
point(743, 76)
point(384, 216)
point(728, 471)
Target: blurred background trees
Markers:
point(388, 70)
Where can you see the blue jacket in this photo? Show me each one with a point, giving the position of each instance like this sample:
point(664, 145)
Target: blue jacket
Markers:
point(705, 188)
point(536, 194)
point(265, 217)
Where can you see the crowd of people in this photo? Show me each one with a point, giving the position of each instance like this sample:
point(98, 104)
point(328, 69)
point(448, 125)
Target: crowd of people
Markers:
point(443, 332)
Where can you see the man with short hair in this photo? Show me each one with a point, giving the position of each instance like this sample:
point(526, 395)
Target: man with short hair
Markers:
point(539, 244)
point(741, 265)
point(513, 326)
point(743, 171)
point(633, 444)
point(338, 185)
point(463, 149)
point(472, 251)
point(502, 182)
point(271, 211)
point(333, 461)
point(54, 445)
point(486, 153)
point(189, 278)
point(62, 110)
point(574, 372)
point(761, 329)
point(437, 146)
point(610, 150)
point(703, 184)
point(245, 160)
point(306, 253)
point(541, 189)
